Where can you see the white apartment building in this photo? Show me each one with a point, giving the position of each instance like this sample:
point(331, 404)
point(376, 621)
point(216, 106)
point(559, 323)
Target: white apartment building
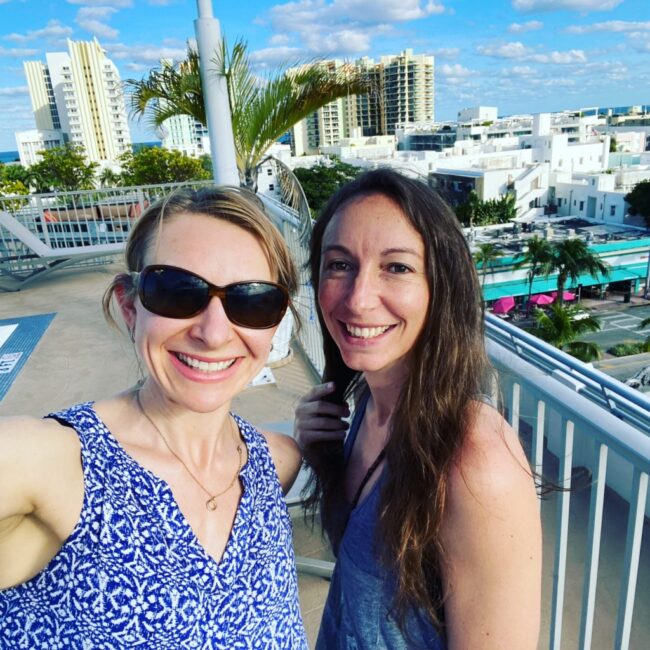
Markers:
point(30, 143)
point(79, 92)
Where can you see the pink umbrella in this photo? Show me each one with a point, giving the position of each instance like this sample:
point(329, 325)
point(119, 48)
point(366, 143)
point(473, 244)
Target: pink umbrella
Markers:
point(503, 305)
point(541, 299)
point(567, 296)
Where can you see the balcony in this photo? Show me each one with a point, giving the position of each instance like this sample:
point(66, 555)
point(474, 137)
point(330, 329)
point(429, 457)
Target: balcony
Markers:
point(581, 428)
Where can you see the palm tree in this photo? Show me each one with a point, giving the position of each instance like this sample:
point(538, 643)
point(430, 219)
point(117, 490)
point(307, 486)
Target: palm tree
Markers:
point(108, 178)
point(538, 257)
point(485, 256)
point(561, 325)
point(571, 258)
point(261, 110)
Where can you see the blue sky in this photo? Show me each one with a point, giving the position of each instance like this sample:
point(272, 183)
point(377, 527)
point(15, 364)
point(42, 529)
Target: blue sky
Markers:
point(518, 55)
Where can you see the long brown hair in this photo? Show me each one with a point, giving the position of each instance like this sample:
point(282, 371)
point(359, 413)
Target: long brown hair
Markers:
point(434, 408)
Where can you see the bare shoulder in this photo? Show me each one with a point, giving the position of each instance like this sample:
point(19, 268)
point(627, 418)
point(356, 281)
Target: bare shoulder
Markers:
point(491, 533)
point(286, 457)
point(33, 452)
point(492, 461)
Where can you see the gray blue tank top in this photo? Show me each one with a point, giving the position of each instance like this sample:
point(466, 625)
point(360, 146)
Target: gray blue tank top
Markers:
point(133, 574)
point(357, 614)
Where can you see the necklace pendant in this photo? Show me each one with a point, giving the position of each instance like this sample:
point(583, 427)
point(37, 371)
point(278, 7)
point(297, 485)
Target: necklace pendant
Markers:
point(211, 504)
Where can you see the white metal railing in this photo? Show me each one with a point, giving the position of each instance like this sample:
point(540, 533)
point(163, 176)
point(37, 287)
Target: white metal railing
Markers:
point(39, 233)
point(582, 418)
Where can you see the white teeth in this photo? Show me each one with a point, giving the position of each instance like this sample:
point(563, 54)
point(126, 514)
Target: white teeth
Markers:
point(365, 332)
point(205, 366)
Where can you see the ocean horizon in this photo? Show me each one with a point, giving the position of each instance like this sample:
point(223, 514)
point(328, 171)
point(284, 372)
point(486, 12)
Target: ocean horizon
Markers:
point(8, 156)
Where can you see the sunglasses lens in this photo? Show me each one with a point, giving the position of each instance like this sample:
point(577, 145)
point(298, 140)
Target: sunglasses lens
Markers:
point(255, 304)
point(173, 293)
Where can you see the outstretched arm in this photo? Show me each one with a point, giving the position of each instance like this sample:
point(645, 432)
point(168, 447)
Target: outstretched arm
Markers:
point(493, 542)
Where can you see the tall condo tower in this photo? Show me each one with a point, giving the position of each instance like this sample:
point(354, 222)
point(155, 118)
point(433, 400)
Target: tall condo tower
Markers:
point(407, 89)
point(79, 93)
point(403, 93)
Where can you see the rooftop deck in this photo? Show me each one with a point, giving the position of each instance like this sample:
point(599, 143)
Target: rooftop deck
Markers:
point(596, 548)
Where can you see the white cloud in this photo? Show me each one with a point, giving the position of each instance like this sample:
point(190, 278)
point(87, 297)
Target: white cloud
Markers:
point(13, 92)
point(559, 5)
point(116, 4)
point(560, 58)
point(341, 27)
point(513, 50)
point(610, 26)
point(279, 39)
point(519, 71)
point(100, 29)
point(455, 70)
point(53, 31)
point(446, 52)
point(18, 51)
point(145, 55)
point(91, 19)
point(517, 50)
point(280, 54)
point(518, 28)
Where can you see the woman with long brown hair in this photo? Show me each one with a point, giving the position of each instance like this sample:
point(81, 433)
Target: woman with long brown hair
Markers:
point(429, 505)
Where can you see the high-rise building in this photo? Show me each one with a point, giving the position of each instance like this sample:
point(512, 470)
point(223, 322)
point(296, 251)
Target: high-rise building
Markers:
point(403, 93)
point(406, 89)
point(79, 93)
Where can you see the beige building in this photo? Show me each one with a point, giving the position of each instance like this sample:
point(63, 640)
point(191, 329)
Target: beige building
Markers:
point(79, 93)
point(403, 93)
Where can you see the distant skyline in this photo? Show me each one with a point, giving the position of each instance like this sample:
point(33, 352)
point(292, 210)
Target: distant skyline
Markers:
point(519, 55)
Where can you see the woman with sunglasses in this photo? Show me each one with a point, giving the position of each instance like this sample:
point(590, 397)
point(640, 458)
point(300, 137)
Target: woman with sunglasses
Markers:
point(155, 518)
point(429, 503)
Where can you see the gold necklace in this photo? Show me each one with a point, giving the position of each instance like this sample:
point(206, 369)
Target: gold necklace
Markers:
point(211, 503)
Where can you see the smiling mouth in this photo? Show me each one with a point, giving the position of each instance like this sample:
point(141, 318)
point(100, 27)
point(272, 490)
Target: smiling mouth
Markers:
point(365, 332)
point(204, 366)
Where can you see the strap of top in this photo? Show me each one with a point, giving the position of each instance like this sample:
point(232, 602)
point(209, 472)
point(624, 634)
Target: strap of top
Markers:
point(366, 478)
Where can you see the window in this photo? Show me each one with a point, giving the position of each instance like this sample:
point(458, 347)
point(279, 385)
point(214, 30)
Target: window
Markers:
point(271, 186)
point(269, 172)
point(612, 210)
point(582, 206)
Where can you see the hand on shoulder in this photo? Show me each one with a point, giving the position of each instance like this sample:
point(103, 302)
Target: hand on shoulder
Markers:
point(492, 538)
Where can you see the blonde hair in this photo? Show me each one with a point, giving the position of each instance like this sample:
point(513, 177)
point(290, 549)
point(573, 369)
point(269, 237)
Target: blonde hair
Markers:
point(235, 205)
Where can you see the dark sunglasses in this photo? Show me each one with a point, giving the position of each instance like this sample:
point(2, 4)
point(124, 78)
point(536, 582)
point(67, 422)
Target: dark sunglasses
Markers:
point(176, 293)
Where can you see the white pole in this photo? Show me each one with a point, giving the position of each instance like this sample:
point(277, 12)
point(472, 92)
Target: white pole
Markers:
point(215, 96)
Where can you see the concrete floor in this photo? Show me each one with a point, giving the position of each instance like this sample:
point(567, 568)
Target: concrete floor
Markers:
point(80, 358)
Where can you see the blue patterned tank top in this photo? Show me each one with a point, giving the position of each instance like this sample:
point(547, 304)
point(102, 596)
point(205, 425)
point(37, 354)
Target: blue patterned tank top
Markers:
point(357, 614)
point(133, 574)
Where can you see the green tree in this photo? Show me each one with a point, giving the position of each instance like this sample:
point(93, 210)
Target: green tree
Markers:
point(537, 257)
point(639, 200)
point(154, 165)
point(561, 325)
point(14, 189)
point(571, 258)
point(262, 110)
point(475, 212)
point(485, 257)
point(109, 178)
point(65, 168)
point(321, 181)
